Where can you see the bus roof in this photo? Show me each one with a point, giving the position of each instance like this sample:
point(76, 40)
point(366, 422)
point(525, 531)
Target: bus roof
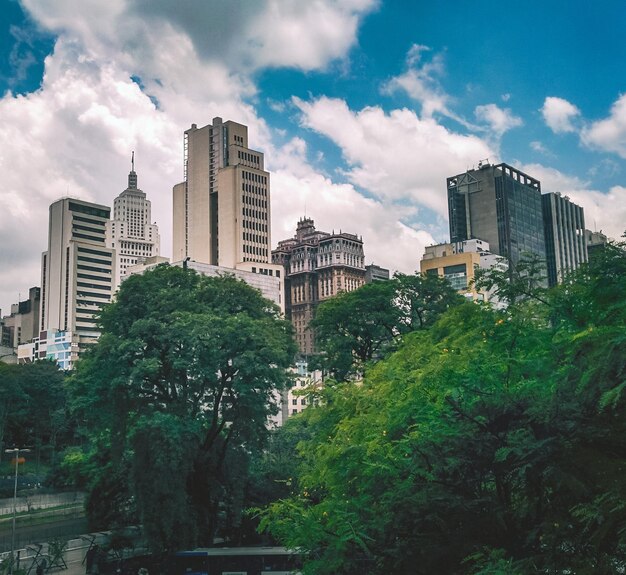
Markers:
point(235, 551)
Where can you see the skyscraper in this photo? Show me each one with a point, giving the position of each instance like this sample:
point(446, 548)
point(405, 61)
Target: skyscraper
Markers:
point(318, 265)
point(77, 271)
point(500, 205)
point(564, 230)
point(131, 232)
point(222, 206)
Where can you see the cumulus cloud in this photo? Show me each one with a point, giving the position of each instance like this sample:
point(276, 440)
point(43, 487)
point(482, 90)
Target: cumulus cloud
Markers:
point(242, 35)
point(538, 147)
point(609, 134)
point(395, 156)
point(299, 190)
point(73, 137)
point(111, 62)
point(559, 114)
point(421, 81)
point(498, 120)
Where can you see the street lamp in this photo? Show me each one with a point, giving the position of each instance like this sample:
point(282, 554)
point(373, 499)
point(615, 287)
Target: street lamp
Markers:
point(16, 452)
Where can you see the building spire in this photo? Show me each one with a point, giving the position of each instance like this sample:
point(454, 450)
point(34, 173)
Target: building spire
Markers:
point(132, 177)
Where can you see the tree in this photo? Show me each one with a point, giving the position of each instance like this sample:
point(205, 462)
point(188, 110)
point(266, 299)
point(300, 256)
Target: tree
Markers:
point(354, 328)
point(491, 442)
point(183, 378)
point(32, 408)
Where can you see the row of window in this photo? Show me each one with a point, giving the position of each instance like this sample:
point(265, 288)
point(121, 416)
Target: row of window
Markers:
point(254, 250)
point(254, 214)
point(248, 157)
point(252, 177)
point(257, 226)
point(89, 210)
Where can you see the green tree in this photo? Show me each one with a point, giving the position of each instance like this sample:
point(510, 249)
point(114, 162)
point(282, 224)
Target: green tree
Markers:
point(183, 378)
point(492, 442)
point(354, 328)
point(33, 409)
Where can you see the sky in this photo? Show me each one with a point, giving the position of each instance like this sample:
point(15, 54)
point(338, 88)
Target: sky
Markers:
point(362, 108)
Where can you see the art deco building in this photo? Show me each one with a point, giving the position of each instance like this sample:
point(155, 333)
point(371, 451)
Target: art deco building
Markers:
point(500, 205)
point(77, 270)
point(131, 232)
point(222, 206)
point(318, 265)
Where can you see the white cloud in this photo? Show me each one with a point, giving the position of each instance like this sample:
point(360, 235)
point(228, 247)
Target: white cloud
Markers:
point(421, 82)
point(74, 135)
point(499, 120)
point(559, 114)
point(537, 146)
point(298, 190)
point(305, 35)
point(609, 134)
point(244, 36)
point(396, 156)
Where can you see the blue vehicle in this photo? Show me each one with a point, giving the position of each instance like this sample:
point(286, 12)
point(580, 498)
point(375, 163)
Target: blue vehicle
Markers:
point(238, 561)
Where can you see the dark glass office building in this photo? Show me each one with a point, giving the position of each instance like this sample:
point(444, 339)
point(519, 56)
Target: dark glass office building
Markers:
point(500, 205)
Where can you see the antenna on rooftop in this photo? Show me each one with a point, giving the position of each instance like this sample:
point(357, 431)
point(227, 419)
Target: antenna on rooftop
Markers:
point(132, 161)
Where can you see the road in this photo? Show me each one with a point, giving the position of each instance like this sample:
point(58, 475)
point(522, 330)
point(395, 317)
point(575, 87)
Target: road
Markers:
point(26, 534)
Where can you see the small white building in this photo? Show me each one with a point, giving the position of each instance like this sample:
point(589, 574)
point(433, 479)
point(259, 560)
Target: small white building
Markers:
point(59, 346)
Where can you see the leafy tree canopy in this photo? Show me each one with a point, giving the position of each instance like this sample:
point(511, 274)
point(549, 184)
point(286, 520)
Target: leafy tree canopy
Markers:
point(491, 442)
point(354, 328)
point(184, 377)
point(33, 409)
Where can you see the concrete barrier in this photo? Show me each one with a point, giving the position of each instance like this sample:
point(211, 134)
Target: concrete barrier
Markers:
point(26, 503)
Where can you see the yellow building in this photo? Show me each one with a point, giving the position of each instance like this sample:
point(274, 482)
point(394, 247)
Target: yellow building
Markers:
point(458, 263)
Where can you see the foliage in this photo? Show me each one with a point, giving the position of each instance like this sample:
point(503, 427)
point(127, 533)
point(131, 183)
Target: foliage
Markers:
point(354, 328)
point(181, 383)
point(33, 410)
point(491, 442)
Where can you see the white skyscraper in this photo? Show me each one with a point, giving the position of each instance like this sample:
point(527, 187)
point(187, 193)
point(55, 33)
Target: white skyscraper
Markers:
point(77, 270)
point(222, 208)
point(130, 233)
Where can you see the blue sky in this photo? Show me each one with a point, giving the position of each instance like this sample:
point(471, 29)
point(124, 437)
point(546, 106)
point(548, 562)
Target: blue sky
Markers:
point(361, 107)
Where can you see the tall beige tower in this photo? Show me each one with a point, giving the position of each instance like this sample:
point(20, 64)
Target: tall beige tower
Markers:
point(222, 206)
point(78, 269)
point(131, 232)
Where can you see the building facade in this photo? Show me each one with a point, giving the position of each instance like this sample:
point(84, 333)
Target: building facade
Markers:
point(596, 242)
point(61, 347)
point(564, 231)
point(458, 264)
point(374, 273)
point(261, 277)
point(77, 270)
point(500, 205)
point(130, 233)
point(22, 324)
point(222, 207)
point(317, 265)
